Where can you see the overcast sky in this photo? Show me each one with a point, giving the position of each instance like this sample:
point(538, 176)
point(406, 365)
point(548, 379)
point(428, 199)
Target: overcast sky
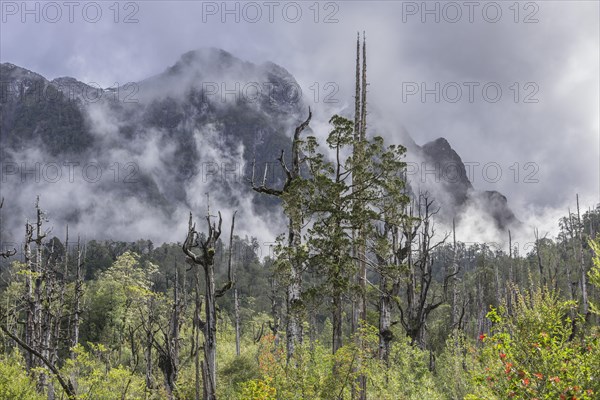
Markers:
point(541, 133)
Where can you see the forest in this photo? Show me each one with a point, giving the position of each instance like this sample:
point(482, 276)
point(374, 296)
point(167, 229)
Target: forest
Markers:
point(363, 296)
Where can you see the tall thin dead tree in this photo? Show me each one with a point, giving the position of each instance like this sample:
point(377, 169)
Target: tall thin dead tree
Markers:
point(205, 259)
point(77, 296)
point(452, 277)
point(236, 297)
point(582, 269)
point(359, 309)
point(33, 287)
point(294, 285)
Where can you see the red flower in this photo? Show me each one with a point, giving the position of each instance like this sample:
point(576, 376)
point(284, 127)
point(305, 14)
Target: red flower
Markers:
point(538, 375)
point(502, 356)
point(525, 381)
point(482, 336)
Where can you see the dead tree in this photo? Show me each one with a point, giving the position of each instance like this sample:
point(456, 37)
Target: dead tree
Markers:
point(77, 296)
point(420, 303)
point(46, 271)
point(359, 306)
point(236, 299)
point(206, 245)
point(33, 287)
point(454, 280)
point(294, 286)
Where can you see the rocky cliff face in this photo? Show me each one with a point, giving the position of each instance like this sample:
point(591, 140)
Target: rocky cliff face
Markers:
point(165, 141)
point(440, 171)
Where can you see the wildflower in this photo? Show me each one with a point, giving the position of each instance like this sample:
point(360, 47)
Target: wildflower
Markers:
point(538, 375)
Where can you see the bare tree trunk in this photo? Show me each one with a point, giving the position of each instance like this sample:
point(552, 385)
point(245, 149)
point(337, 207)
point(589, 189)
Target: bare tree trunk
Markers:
point(583, 280)
point(294, 288)
point(209, 326)
point(210, 333)
point(168, 356)
point(359, 312)
point(196, 331)
point(39, 272)
point(454, 272)
point(29, 283)
point(78, 294)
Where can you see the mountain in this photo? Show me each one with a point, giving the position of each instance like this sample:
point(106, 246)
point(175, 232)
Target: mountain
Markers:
point(443, 173)
point(155, 147)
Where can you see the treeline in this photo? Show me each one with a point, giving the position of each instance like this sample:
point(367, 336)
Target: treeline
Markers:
point(78, 316)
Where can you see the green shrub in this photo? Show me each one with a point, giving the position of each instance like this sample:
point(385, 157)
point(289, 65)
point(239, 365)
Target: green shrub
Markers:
point(15, 383)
